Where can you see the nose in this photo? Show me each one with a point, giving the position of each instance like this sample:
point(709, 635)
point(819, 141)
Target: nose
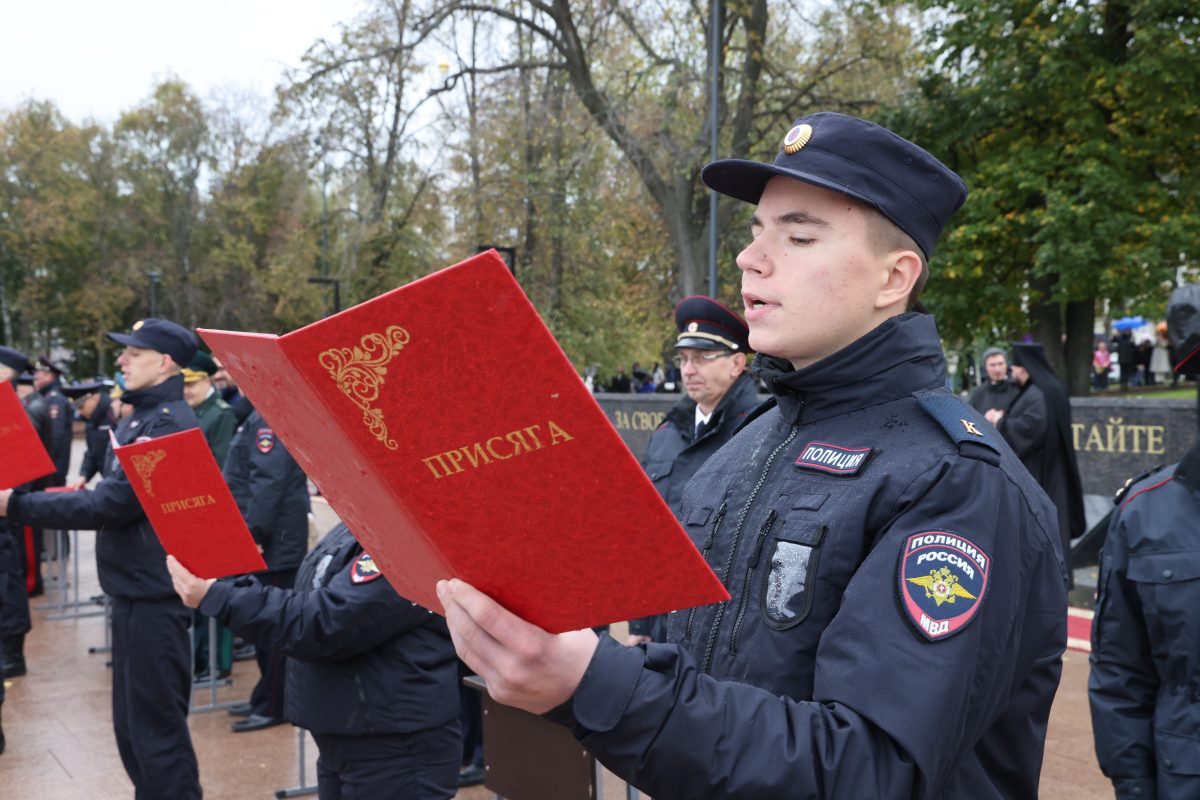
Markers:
point(689, 368)
point(753, 258)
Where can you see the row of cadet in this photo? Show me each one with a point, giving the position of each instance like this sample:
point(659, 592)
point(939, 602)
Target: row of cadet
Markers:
point(898, 585)
point(371, 675)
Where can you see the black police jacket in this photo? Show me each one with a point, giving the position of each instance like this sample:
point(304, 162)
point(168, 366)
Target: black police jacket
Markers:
point(102, 420)
point(898, 610)
point(129, 558)
point(362, 659)
point(675, 453)
point(14, 603)
point(271, 491)
point(59, 409)
point(1144, 686)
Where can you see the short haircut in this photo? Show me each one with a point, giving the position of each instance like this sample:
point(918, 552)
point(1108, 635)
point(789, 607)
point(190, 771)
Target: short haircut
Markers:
point(995, 351)
point(887, 237)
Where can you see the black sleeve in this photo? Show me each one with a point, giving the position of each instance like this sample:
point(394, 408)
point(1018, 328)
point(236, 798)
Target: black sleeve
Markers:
point(335, 622)
point(1024, 425)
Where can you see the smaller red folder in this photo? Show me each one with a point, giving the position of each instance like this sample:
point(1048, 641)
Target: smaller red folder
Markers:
point(183, 493)
point(25, 459)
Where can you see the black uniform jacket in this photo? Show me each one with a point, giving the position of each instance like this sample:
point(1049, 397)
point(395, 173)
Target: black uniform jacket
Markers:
point(898, 610)
point(675, 453)
point(59, 409)
point(271, 491)
point(97, 426)
point(1145, 681)
point(130, 560)
point(362, 659)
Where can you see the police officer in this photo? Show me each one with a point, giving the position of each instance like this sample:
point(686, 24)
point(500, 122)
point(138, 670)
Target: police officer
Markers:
point(710, 352)
point(1144, 686)
point(371, 675)
point(16, 547)
point(94, 405)
point(47, 379)
point(151, 655)
point(15, 621)
point(898, 592)
point(217, 420)
point(272, 493)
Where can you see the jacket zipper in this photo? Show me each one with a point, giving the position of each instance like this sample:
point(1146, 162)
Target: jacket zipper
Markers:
point(737, 533)
point(712, 537)
point(750, 565)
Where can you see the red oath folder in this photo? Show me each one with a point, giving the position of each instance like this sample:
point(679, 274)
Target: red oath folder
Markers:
point(449, 431)
point(24, 459)
point(181, 490)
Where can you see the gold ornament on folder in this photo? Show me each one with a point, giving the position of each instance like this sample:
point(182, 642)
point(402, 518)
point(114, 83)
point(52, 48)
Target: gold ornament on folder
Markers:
point(144, 466)
point(359, 372)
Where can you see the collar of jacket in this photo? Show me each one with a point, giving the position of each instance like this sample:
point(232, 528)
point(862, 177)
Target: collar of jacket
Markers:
point(901, 356)
point(683, 414)
point(1188, 471)
point(50, 387)
point(169, 390)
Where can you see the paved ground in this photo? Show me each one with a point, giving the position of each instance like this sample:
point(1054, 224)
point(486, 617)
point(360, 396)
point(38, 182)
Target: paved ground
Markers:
point(60, 743)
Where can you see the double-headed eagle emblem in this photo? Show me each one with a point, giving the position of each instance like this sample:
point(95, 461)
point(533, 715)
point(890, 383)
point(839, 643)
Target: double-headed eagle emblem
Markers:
point(942, 586)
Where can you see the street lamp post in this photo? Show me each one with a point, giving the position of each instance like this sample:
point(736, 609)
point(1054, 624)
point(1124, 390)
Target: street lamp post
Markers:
point(336, 283)
point(154, 276)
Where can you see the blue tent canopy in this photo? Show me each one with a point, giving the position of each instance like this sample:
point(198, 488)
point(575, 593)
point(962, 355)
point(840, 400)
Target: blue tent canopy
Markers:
point(1127, 323)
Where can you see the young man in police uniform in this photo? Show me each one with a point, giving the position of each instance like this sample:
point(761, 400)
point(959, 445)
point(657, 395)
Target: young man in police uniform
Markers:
point(710, 353)
point(1145, 681)
point(151, 665)
point(898, 610)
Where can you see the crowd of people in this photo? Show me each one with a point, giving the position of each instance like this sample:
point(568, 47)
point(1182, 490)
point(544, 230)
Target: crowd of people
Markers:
point(896, 558)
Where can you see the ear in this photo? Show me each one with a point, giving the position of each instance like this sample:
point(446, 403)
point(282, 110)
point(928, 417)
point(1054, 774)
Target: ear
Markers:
point(739, 364)
point(902, 269)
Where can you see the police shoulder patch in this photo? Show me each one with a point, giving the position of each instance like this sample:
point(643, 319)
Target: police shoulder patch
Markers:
point(265, 437)
point(833, 459)
point(942, 578)
point(363, 570)
point(54, 411)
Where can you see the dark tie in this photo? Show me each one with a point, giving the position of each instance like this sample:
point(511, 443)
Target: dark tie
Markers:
point(701, 427)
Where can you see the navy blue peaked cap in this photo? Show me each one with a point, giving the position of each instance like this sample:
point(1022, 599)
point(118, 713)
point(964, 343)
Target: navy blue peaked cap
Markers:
point(14, 359)
point(861, 160)
point(705, 324)
point(163, 336)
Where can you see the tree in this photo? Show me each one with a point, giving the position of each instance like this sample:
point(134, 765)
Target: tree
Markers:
point(1077, 127)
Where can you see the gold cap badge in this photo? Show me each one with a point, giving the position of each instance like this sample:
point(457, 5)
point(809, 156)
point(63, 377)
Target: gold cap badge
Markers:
point(137, 326)
point(796, 138)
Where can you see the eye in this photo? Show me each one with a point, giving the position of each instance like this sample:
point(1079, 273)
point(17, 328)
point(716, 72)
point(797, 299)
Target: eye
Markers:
point(800, 240)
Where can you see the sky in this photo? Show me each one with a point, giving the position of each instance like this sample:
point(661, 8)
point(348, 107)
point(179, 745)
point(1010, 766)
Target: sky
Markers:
point(98, 59)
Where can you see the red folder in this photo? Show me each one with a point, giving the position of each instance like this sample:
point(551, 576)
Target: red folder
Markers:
point(25, 458)
point(181, 490)
point(452, 435)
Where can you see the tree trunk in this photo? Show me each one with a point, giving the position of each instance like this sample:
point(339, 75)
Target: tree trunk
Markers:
point(1045, 320)
point(1081, 322)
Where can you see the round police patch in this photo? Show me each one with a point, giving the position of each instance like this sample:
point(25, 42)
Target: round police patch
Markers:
point(266, 440)
point(364, 570)
point(943, 578)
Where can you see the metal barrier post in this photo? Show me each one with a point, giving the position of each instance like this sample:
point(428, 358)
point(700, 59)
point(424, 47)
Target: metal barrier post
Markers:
point(302, 787)
point(212, 682)
point(75, 605)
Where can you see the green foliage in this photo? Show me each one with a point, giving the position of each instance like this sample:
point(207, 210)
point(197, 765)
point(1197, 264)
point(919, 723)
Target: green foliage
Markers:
point(1077, 127)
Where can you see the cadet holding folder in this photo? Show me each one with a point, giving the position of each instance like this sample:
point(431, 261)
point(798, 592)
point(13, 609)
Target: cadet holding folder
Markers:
point(152, 664)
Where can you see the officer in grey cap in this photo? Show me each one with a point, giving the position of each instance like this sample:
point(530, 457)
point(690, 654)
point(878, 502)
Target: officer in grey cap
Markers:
point(152, 654)
point(897, 611)
point(711, 352)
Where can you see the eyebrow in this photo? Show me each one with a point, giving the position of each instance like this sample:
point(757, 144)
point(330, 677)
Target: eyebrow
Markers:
point(794, 218)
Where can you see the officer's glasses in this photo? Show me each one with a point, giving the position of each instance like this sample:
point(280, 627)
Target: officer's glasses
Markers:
point(701, 359)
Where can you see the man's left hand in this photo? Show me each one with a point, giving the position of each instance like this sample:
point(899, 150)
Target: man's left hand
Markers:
point(4, 495)
point(522, 664)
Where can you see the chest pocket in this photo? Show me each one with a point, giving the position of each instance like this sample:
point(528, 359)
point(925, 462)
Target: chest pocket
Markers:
point(791, 566)
point(658, 470)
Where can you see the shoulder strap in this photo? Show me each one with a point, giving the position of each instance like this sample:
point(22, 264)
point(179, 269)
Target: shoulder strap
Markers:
point(965, 426)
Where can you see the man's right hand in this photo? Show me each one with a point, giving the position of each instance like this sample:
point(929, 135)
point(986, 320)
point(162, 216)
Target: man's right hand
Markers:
point(77, 484)
point(637, 638)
